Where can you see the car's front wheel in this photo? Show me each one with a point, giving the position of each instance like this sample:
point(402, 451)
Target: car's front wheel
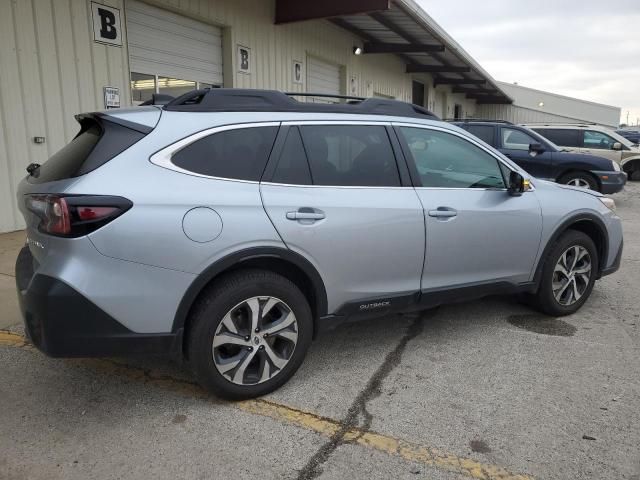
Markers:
point(249, 333)
point(580, 179)
point(568, 275)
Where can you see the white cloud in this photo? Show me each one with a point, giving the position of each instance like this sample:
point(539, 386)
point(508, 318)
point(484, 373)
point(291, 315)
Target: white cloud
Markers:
point(587, 49)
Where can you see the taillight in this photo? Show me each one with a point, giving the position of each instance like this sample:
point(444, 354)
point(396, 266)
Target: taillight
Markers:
point(76, 215)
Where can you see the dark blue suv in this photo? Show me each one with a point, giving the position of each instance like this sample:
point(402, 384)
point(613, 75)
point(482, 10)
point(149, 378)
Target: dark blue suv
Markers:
point(545, 160)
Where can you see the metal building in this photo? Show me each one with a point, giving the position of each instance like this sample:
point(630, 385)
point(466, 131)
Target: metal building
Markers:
point(62, 57)
point(536, 106)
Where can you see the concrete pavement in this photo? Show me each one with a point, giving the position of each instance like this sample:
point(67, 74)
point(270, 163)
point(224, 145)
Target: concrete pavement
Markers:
point(486, 389)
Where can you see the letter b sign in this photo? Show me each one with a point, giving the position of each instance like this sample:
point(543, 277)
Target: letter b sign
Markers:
point(106, 24)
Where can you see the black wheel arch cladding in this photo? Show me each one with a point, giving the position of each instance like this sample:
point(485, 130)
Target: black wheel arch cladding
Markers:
point(587, 223)
point(268, 258)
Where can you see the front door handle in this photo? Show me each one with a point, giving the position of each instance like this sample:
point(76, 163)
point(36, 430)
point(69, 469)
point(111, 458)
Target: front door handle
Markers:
point(306, 214)
point(443, 212)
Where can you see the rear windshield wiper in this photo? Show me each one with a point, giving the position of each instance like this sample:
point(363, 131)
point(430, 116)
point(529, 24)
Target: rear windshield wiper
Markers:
point(31, 169)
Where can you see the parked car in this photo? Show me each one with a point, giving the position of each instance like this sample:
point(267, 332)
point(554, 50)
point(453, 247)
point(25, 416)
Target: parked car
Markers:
point(594, 140)
point(230, 226)
point(632, 135)
point(543, 159)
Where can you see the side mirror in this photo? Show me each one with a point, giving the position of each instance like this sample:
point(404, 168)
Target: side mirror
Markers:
point(616, 146)
point(516, 184)
point(536, 148)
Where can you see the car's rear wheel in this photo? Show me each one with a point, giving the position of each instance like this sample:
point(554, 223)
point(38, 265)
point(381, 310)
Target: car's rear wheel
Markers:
point(249, 334)
point(568, 275)
point(580, 179)
point(634, 175)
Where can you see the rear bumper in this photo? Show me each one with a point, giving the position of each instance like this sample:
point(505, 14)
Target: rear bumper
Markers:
point(611, 182)
point(61, 322)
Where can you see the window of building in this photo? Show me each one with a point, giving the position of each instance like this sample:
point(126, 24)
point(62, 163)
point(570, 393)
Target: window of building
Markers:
point(293, 167)
point(447, 161)
point(235, 154)
point(483, 132)
point(350, 155)
point(143, 86)
point(562, 137)
point(513, 139)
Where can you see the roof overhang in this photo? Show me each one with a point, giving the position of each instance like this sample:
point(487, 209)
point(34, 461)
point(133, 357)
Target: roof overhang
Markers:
point(402, 28)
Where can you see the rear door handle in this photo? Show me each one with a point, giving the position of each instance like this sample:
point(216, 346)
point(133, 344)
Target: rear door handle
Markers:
point(306, 214)
point(443, 212)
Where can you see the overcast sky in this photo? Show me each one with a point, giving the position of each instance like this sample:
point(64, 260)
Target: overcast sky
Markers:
point(588, 49)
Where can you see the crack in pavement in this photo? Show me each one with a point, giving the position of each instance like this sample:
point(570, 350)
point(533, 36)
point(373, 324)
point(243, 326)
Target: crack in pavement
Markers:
point(358, 408)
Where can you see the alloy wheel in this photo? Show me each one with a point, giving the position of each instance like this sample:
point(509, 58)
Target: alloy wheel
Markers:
point(579, 182)
point(571, 275)
point(255, 340)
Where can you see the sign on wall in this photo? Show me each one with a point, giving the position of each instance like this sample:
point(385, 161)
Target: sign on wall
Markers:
point(111, 97)
point(244, 59)
point(297, 72)
point(106, 24)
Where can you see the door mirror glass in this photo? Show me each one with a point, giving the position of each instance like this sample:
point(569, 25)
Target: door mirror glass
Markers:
point(516, 184)
point(616, 146)
point(536, 148)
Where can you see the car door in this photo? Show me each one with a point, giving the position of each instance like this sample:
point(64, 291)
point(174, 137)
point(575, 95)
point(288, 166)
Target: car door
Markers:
point(600, 144)
point(476, 232)
point(336, 197)
point(515, 144)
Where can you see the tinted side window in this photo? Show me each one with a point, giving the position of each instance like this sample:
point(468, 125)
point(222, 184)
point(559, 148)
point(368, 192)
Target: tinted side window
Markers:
point(237, 154)
point(562, 137)
point(350, 155)
point(598, 140)
point(483, 132)
point(516, 139)
point(92, 147)
point(292, 165)
point(448, 161)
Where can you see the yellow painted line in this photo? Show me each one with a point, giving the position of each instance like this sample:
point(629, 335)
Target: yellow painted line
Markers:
point(14, 340)
point(327, 427)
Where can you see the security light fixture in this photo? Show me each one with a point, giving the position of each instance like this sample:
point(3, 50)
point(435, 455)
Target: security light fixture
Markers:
point(357, 50)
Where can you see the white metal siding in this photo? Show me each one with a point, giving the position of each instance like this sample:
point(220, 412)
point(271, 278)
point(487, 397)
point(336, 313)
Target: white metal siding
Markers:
point(50, 70)
point(515, 114)
point(167, 44)
point(323, 77)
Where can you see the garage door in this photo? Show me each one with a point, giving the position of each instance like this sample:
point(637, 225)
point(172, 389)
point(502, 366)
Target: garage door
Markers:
point(171, 46)
point(323, 77)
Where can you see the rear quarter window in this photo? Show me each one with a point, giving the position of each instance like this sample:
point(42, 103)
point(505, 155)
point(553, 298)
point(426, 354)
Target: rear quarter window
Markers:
point(95, 144)
point(562, 137)
point(239, 154)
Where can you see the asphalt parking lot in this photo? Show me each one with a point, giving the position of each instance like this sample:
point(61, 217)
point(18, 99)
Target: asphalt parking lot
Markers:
point(488, 389)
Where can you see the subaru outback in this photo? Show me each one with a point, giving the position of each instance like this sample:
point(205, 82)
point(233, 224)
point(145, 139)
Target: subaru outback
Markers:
point(229, 227)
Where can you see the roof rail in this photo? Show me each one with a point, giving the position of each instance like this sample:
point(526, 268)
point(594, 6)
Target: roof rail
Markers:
point(158, 99)
point(324, 95)
point(547, 124)
point(249, 100)
point(483, 120)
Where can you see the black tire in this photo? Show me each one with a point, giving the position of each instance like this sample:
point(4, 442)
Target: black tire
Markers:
point(634, 175)
point(569, 178)
point(544, 299)
point(218, 300)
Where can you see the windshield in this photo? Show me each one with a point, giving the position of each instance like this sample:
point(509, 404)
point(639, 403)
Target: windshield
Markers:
point(619, 138)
